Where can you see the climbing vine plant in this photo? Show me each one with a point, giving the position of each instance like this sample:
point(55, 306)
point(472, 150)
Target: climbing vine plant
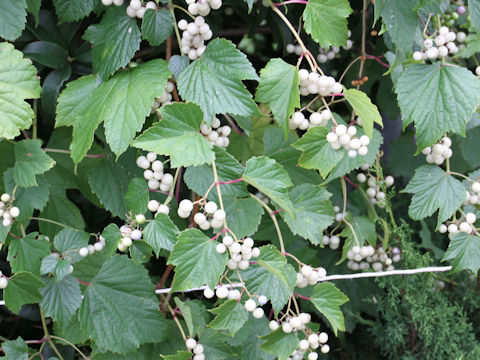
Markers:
point(186, 179)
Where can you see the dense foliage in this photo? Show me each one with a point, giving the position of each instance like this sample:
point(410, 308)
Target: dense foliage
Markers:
point(179, 179)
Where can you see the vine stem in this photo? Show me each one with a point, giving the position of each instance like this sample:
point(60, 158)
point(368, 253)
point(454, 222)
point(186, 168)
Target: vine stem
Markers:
point(308, 55)
point(52, 222)
point(219, 192)
point(72, 345)
point(174, 316)
point(177, 32)
point(275, 222)
point(457, 174)
point(47, 335)
point(61, 151)
point(170, 194)
point(34, 125)
point(364, 35)
point(344, 194)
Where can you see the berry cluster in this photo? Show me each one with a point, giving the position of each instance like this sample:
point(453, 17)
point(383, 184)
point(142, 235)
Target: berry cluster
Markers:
point(196, 348)
point(257, 311)
point(341, 136)
point(374, 191)
point(440, 47)
point(136, 9)
point(360, 258)
point(129, 234)
point(464, 225)
point(473, 196)
point(90, 249)
point(203, 7)
point(3, 281)
point(338, 213)
point(314, 83)
point(439, 152)
point(299, 121)
point(262, 197)
point(329, 54)
point(194, 35)
point(240, 254)
point(164, 99)
point(8, 212)
point(155, 176)
point(332, 241)
point(294, 49)
point(212, 218)
point(309, 276)
point(222, 292)
point(216, 134)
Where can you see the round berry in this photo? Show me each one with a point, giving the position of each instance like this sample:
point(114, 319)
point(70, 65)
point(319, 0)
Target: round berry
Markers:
point(219, 215)
point(198, 349)
point(221, 248)
point(323, 337)
point(286, 327)
point(325, 349)
point(153, 205)
point(3, 282)
point(313, 356)
point(313, 339)
point(208, 293)
point(273, 325)
point(233, 294)
point(262, 299)
point(163, 209)
point(255, 252)
point(5, 197)
point(83, 251)
point(190, 343)
point(258, 313)
point(250, 305)
point(469, 217)
point(221, 292)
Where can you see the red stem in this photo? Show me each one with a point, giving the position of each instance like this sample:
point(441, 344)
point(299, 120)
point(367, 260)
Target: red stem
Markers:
point(275, 212)
point(230, 182)
point(15, 236)
point(218, 234)
point(377, 59)
point(350, 182)
point(84, 282)
point(301, 296)
point(339, 94)
point(41, 341)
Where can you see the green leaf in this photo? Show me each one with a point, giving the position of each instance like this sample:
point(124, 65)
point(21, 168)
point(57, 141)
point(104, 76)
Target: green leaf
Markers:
point(26, 254)
point(272, 277)
point(31, 161)
point(140, 252)
point(122, 103)
point(364, 231)
point(48, 264)
point(69, 239)
point(13, 15)
point(23, 288)
point(109, 181)
point(194, 312)
point(474, 13)
point(278, 88)
point(161, 233)
point(279, 343)
point(177, 131)
point(215, 345)
point(365, 110)
point(243, 215)
point(18, 81)
point(52, 84)
point(231, 316)
point(157, 26)
point(215, 81)
point(271, 179)
point(15, 349)
point(112, 235)
point(199, 178)
point(46, 53)
point(317, 152)
point(464, 250)
point(348, 164)
point(136, 196)
point(115, 40)
point(61, 299)
point(433, 97)
point(401, 22)
point(313, 212)
point(326, 21)
point(33, 7)
point(121, 287)
point(433, 189)
point(281, 150)
point(328, 299)
point(71, 332)
point(74, 101)
point(197, 261)
point(72, 10)
point(177, 63)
